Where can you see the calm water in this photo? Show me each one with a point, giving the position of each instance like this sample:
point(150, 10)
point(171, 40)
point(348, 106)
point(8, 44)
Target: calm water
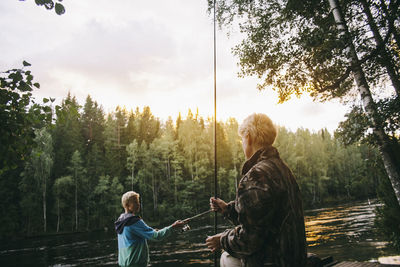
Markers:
point(345, 232)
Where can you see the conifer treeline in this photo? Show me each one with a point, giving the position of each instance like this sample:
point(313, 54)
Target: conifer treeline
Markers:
point(82, 163)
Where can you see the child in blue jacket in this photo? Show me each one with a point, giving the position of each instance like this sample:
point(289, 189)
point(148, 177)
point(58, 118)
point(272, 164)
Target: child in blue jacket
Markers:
point(133, 233)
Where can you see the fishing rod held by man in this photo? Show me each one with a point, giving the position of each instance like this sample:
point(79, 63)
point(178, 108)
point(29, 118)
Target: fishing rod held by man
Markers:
point(198, 215)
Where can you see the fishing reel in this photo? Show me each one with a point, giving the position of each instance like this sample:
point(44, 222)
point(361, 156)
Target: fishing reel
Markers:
point(185, 228)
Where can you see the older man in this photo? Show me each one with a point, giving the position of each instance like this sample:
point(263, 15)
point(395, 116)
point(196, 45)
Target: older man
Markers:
point(267, 212)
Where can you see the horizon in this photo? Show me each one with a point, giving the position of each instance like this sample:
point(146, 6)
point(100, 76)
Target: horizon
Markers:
point(184, 116)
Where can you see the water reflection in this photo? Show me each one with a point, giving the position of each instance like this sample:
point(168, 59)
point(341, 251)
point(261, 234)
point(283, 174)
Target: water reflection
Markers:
point(345, 232)
point(349, 222)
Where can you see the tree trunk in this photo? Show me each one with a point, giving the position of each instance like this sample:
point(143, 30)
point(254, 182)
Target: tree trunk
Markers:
point(348, 187)
point(58, 214)
point(154, 194)
point(76, 201)
point(133, 169)
point(44, 197)
point(141, 192)
point(195, 166)
point(191, 170)
point(368, 103)
point(44, 210)
point(29, 223)
point(168, 169)
point(313, 191)
point(175, 190)
point(386, 59)
point(88, 218)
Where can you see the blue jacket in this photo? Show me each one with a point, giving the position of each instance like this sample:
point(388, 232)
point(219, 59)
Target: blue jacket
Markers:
point(133, 234)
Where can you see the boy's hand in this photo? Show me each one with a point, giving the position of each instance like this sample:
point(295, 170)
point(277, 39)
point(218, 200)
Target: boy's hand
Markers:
point(217, 204)
point(214, 242)
point(179, 223)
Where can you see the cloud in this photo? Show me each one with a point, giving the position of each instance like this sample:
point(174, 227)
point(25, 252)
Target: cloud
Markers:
point(105, 54)
point(138, 53)
point(133, 57)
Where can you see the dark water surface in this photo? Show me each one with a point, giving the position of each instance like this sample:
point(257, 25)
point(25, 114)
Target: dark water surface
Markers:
point(345, 232)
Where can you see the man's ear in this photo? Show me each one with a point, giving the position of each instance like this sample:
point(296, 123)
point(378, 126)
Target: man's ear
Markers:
point(249, 140)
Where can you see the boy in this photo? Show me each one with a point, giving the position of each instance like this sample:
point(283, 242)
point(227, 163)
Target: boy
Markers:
point(133, 233)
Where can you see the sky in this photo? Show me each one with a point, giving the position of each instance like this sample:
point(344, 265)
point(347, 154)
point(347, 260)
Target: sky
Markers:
point(144, 53)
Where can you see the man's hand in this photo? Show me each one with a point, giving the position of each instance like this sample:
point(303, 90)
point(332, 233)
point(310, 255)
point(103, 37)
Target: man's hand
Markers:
point(218, 205)
point(213, 242)
point(179, 223)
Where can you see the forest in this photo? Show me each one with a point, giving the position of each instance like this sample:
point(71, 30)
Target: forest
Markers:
point(80, 162)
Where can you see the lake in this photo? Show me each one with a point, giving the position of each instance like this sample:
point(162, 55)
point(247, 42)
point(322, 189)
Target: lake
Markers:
point(345, 232)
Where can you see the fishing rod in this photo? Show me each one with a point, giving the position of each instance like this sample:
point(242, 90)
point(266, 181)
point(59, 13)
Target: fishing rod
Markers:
point(198, 215)
point(215, 126)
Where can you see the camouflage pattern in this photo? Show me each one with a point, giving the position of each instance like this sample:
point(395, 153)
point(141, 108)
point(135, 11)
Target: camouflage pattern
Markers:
point(268, 215)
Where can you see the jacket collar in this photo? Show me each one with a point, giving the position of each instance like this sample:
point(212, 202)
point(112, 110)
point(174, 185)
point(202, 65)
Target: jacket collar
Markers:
point(261, 154)
point(125, 219)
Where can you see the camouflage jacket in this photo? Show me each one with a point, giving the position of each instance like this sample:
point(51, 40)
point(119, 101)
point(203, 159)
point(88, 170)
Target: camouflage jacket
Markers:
point(268, 215)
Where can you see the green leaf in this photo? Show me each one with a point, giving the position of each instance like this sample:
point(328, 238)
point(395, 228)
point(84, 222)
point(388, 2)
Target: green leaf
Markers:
point(29, 78)
point(59, 9)
point(37, 85)
point(23, 86)
point(45, 100)
point(49, 4)
point(39, 2)
point(16, 77)
point(26, 64)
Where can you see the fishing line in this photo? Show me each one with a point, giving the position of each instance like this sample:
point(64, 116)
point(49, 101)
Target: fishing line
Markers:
point(215, 127)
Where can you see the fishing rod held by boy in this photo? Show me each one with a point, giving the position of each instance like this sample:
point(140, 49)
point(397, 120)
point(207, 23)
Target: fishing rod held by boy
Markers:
point(186, 227)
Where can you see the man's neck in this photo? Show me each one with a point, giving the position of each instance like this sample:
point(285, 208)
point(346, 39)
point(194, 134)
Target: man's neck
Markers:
point(254, 150)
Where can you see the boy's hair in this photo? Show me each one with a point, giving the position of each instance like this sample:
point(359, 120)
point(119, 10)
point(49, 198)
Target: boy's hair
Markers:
point(130, 197)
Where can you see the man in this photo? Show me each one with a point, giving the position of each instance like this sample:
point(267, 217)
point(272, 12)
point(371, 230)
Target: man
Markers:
point(267, 212)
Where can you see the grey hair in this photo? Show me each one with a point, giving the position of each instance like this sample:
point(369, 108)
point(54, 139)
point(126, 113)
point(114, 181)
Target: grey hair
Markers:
point(260, 128)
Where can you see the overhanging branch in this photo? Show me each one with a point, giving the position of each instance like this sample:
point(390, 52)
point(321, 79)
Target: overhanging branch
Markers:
point(349, 69)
